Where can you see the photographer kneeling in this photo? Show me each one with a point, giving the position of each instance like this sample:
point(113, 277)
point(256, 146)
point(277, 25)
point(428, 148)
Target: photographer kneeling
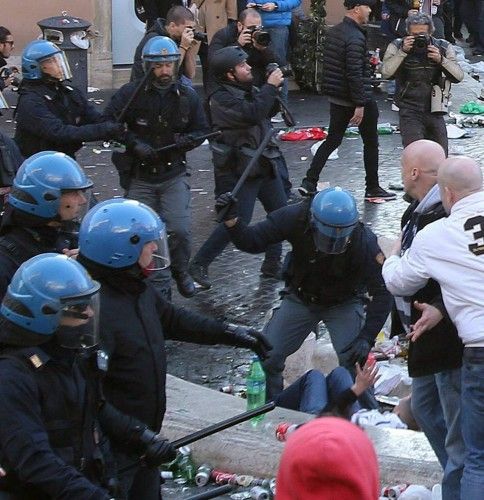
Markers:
point(424, 68)
point(249, 34)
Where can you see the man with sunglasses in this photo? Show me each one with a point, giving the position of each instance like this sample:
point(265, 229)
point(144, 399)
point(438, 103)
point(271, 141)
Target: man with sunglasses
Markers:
point(6, 47)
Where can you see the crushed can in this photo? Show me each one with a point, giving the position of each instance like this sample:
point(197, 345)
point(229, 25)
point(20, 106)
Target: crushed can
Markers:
point(283, 430)
point(394, 491)
point(202, 477)
point(259, 493)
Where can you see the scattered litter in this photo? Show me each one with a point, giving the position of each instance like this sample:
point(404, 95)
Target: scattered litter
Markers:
point(391, 375)
point(205, 143)
point(315, 147)
point(204, 170)
point(92, 89)
point(455, 132)
point(472, 108)
point(304, 158)
point(303, 134)
point(89, 166)
point(376, 419)
point(376, 200)
point(99, 151)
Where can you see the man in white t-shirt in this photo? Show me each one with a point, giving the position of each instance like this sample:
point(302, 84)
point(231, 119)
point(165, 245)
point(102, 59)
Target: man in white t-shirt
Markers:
point(451, 251)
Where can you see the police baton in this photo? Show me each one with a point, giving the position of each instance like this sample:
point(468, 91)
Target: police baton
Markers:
point(211, 135)
point(134, 95)
point(258, 152)
point(214, 428)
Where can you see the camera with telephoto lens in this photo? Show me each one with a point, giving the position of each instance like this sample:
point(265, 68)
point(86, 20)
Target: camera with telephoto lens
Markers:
point(259, 36)
point(421, 43)
point(6, 72)
point(286, 70)
point(199, 36)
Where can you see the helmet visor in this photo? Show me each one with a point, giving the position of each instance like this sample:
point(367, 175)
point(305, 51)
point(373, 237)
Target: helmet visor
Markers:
point(155, 255)
point(331, 239)
point(56, 67)
point(74, 204)
point(79, 322)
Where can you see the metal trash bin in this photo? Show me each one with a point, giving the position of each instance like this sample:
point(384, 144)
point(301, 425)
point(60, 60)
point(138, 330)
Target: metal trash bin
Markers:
point(70, 34)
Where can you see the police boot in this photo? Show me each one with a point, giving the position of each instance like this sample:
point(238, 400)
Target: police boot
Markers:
point(185, 284)
point(271, 268)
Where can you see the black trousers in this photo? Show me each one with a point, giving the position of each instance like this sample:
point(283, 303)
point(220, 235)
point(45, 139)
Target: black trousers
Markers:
point(339, 118)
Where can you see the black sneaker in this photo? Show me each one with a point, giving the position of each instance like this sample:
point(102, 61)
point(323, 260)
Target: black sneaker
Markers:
point(185, 284)
point(199, 273)
point(271, 268)
point(379, 192)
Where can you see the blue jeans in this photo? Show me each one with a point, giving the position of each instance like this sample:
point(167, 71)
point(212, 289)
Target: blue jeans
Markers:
point(294, 320)
point(270, 192)
point(171, 200)
point(472, 407)
point(314, 393)
point(280, 46)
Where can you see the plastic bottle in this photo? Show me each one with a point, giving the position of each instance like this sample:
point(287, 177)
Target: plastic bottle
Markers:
point(186, 470)
point(256, 388)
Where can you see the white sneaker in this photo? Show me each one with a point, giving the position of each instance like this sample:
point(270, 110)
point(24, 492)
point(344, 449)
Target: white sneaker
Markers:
point(395, 107)
point(277, 118)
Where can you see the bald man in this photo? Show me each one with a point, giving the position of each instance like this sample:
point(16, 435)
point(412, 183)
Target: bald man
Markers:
point(451, 251)
point(434, 360)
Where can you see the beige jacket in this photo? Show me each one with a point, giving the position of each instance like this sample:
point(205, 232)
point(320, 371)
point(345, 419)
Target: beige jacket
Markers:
point(213, 15)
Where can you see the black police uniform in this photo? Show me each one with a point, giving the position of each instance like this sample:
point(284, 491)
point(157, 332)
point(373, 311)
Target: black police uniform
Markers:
point(160, 117)
point(18, 243)
point(134, 323)
point(243, 114)
point(57, 117)
point(10, 161)
point(318, 287)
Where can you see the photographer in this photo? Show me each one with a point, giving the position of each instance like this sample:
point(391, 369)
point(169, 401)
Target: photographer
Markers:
point(180, 27)
point(6, 46)
point(421, 65)
point(249, 34)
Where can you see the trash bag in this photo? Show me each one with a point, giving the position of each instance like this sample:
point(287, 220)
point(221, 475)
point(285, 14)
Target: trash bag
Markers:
point(472, 108)
point(305, 134)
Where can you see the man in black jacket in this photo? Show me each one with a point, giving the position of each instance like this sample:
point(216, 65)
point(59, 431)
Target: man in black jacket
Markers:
point(120, 242)
point(434, 359)
point(334, 261)
point(6, 47)
point(242, 34)
point(346, 82)
point(243, 113)
point(53, 411)
point(52, 115)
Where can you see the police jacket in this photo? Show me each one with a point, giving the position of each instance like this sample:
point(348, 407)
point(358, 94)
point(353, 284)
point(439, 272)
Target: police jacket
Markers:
point(243, 115)
point(417, 74)
point(10, 161)
point(48, 427)
point(158, 117)
point(55, 117)
point(440, 348)
point(257, 60)
point(346, 63)
point(134, 323)
point(317, 278)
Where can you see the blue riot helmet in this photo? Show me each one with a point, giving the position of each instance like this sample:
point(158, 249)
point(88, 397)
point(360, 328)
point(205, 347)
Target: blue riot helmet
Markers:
point(334, 216)
point(44, 60)
point(52, 294)
point(115, 234)
point(159, 49)
point(43, 179)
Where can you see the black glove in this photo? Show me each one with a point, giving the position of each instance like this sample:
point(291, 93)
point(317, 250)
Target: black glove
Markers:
point(144, 151)
point(156, 449)
point(357, 351)
point(114, 130)
point(243, 336)
point(227, 204)
point(186, 142)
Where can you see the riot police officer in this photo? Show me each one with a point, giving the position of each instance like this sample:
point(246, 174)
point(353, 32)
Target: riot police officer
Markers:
point(163, 113)
point(334, 261)
point(243, 113)
point(52, 115)
point(120, 242)
point(51, 438)
point(49, 192)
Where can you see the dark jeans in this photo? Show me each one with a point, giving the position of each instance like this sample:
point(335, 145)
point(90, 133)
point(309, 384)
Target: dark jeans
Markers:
point(339, 118)
point(138, 481)
point(314, 393)
point(416, 125)
point(270, 192)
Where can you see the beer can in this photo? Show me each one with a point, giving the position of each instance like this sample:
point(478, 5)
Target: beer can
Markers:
point(202, 477)
point(220, 477)
point(284, 429)
point(259, 493)
point(394, 491)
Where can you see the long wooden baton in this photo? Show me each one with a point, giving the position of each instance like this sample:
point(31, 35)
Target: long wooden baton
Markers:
point(213, 429)
point(258, 152)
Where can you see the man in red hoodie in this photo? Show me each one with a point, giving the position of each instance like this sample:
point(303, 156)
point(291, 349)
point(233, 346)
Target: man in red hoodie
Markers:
point(328, 459)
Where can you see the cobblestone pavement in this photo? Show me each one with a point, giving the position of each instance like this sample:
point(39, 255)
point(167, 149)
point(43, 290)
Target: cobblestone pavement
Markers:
point(238, 292)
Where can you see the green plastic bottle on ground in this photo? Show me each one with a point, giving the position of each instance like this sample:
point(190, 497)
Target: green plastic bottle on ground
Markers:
point(256, 388)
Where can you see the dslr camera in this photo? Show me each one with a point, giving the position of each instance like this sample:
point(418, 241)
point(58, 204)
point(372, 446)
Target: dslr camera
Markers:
point(286, 70)
point(260, 36)
point(8, 71)
point(420, 44)
point(199, 36)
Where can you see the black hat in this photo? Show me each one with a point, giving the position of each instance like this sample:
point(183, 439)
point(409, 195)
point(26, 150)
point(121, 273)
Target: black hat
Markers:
point(350, 4)
point(226, 59)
